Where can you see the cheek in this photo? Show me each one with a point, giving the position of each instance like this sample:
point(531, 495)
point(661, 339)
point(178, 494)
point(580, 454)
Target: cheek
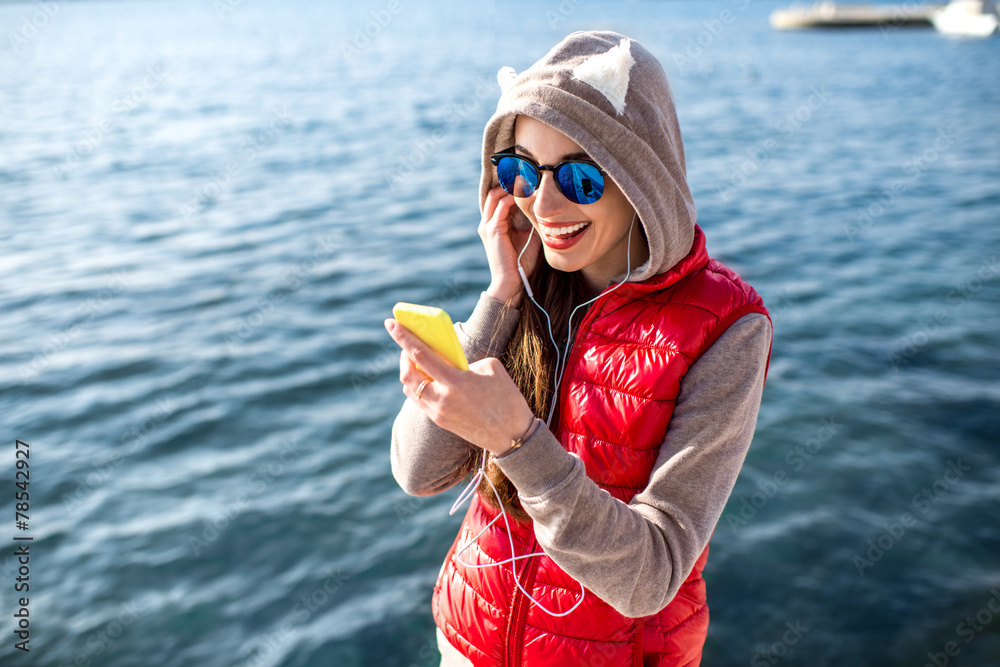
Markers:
point(621, 209)
point(617, 201)
point(619, 214)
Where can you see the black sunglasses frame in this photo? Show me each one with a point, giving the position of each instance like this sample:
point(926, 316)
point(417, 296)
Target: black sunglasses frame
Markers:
point(496, 157)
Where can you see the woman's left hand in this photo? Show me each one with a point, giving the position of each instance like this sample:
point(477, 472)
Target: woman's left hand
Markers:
point(482, 405)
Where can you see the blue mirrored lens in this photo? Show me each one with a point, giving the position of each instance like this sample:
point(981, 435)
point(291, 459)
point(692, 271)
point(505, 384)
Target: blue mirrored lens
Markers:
point(517, 176)
point(581, 183)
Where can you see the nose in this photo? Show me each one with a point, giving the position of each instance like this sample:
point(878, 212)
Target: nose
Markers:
point(549, 201)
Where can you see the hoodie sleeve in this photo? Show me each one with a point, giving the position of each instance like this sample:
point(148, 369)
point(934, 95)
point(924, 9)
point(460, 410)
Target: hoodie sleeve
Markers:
point(636, 556)
point(427, 459)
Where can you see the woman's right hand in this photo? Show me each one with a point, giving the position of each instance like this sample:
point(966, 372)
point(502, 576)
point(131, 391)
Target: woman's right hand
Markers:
point(503, 244)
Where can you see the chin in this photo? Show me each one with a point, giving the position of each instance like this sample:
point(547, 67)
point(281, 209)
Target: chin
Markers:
point(561, 262)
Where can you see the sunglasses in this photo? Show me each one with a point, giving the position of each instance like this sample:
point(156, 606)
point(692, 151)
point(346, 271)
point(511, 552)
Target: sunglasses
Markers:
point(580, 181)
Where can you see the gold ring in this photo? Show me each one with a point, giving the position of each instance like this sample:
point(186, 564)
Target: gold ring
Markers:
point(422, 385)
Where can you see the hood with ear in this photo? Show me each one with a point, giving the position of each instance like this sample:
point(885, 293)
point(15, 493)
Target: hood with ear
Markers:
point(609, 95)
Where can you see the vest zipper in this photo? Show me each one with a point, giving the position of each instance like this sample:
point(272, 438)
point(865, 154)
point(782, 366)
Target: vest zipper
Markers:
point(519, 608)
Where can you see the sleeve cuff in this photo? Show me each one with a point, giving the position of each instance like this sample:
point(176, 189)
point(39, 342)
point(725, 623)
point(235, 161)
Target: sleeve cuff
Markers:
point(539, 466)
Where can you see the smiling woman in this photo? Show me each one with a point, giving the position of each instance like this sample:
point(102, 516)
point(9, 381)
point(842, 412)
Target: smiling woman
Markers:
point(590, 237)
point(606, 453)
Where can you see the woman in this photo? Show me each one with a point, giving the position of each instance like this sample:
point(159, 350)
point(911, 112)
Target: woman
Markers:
point(572, 407)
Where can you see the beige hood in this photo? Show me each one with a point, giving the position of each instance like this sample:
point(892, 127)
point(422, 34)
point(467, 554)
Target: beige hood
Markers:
point(611, 96)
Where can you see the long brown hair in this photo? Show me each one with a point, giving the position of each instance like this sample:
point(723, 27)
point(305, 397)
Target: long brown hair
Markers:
point(530, 360)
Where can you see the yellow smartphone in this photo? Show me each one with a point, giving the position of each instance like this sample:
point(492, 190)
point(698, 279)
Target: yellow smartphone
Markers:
point(433, 326)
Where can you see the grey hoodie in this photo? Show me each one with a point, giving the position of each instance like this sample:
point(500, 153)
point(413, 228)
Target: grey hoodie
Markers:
point(635, 556)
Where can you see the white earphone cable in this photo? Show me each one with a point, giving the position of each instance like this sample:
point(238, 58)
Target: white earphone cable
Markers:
point(481, 473)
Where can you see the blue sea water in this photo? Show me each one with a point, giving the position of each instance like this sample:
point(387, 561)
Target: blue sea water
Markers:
point(207, 208)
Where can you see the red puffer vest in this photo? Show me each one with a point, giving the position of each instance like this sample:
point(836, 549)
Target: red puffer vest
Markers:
point(629, 355)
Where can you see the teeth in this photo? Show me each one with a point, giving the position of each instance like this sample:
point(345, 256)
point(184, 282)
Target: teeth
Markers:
point(559, 231)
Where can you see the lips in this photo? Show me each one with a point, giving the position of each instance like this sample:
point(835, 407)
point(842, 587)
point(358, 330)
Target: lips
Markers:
point(565, 240)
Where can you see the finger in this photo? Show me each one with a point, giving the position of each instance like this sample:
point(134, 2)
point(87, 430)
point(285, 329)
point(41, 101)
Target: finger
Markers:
point(495, 193)
point(503, 206)
point(409, 373)
point(407, 370)
point(492, 197)
point(501, 215)
point(429, 361)
point(428, 394)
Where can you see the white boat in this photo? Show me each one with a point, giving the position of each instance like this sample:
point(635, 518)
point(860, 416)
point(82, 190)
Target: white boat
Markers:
point(967, 18)
point(828, 14)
